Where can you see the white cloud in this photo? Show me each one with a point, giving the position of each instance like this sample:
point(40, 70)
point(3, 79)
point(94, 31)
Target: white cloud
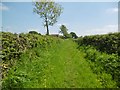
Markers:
point(107, 29)
point(82, 31)
point(103, 30)
point(112, 10)
point(115, 9)
point(3, 7)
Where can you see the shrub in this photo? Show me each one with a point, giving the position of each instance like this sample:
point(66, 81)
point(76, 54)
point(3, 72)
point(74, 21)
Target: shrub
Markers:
point(109, 43)
point(103, 63)
point(13, 45)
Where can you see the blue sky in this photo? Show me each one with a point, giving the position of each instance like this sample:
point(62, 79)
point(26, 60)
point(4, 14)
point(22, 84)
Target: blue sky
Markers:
point(83, 18)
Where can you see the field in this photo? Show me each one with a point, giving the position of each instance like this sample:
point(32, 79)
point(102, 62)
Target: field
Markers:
point(36, 61)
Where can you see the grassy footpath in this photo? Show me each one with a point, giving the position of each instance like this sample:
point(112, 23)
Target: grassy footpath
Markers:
point(60, 66)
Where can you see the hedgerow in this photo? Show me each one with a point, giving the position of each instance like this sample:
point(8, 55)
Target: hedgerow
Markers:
point(106, 66)
point(109, 43)
point(13, 45)
point(103, 54)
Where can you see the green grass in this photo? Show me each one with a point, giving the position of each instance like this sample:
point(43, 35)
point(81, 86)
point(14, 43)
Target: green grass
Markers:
point(61, 65)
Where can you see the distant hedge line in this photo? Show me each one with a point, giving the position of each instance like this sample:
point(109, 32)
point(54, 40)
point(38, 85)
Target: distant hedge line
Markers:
point(13, 45)
point(109, 43)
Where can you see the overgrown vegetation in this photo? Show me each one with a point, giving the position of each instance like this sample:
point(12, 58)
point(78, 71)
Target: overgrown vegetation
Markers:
point(34, 32)
point(107, 67)
point(109, 43)
point(13, 45)
point(74, 35)
point(37, 61)
point(101, 62)
point(53, 68)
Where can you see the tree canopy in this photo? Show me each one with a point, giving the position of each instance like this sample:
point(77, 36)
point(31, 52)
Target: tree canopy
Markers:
point(63, 30)
point(73, 35)
point(49, 11)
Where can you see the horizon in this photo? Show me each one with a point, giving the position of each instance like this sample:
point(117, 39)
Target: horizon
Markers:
point(83, 18)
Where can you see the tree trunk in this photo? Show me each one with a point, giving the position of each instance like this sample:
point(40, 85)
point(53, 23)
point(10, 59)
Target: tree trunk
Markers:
point(47, 28)
point(47, 25)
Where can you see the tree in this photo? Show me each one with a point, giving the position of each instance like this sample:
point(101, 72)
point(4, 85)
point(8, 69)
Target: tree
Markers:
point(33, 32)
point(49, 11)
point(74, 35)
point(64, 31)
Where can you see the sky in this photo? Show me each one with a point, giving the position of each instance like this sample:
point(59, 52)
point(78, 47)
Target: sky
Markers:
point(83, 18)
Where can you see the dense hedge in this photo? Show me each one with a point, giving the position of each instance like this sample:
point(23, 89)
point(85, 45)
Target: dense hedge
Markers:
point(109, 43)
point(106, 66)
point(13, 45)
point(108, 59)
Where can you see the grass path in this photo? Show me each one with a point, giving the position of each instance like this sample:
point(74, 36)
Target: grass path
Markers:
point(58, 67)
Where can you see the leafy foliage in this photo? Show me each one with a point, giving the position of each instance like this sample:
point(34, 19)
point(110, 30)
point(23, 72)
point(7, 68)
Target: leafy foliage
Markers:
point(34, 32)
point(33, 60)
point(64, 31)
point(103, 65)
point(99, 61)
point(13, 45)
point(49, 11)
point(109, 43)
point(52, 68)
point(73, 35)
